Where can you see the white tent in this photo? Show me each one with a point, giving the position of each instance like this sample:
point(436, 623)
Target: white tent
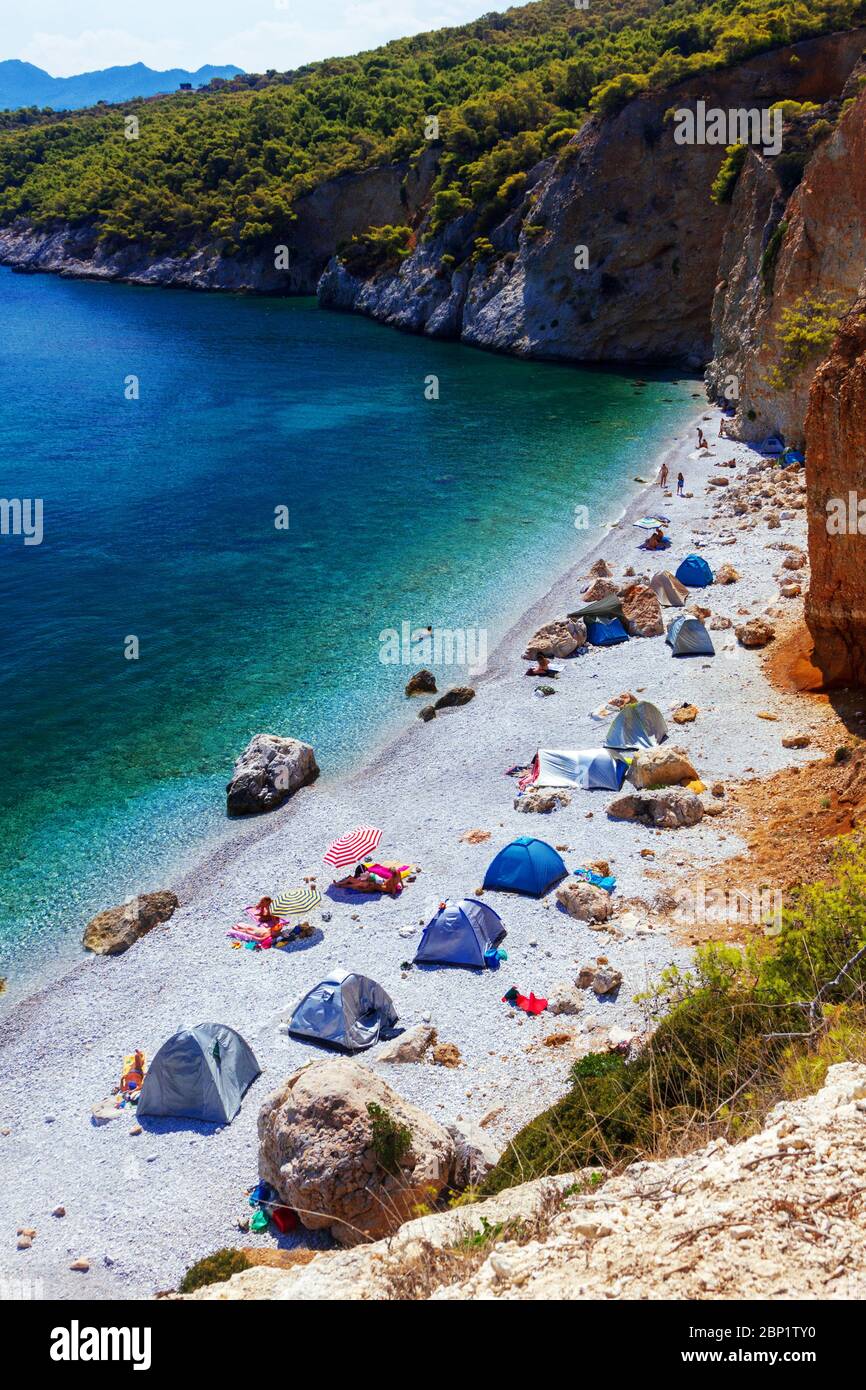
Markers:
point(588, 768)
point(668, 589)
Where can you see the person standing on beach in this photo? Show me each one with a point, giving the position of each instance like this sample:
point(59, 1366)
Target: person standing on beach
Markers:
point(702, 443)
point(663, 476)
point(681, 482)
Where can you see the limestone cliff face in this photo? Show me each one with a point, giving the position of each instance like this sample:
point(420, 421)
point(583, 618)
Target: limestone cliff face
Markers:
point(820, 240)
point(835, 468)
point(638, 202)
point(328, 216)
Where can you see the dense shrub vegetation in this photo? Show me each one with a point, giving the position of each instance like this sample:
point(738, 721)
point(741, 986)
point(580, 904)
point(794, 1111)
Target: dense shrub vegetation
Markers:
point(227, 163)
point(213, 1269)
point(741, 1031)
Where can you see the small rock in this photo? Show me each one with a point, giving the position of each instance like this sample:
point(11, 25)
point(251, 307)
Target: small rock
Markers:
point(755, 633)
point(457, 695)
point(410, 1046)
point(59, 1211)
point(794, 740)
point(685, 714)
point(80, 1266)
point(606, 980)
point(422, 683)
point(427, 712)
point(446, 1055)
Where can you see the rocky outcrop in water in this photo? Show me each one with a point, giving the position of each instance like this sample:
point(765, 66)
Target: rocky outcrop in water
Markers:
point(835, 454)
point(113, 931)
point(268, 772)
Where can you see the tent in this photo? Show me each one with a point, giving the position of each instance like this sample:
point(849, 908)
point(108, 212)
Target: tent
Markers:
point(200, 1073)
point(605, 633)
point(668, 590)
point(347, 1010)
point(590, 768)
point(687, 636)
point(695, 572)
point(459, 934)
point(610, 607)
point(638, 725)
point(525, 866)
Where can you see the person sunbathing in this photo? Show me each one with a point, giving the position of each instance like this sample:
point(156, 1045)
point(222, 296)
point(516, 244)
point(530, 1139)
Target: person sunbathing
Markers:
point(263, 914)
point(363, 881)
point(541, 667)
point(656, 541)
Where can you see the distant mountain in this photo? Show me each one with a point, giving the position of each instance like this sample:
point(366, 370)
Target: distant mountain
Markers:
point(22, 84)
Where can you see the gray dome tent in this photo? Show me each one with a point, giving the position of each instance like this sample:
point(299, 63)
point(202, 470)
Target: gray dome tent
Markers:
point(687, 636)
point(347, 1010)
point(200, 1073)
point(639, 724)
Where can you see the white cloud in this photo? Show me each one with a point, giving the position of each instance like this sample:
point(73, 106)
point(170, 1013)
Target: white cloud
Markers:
point(64, 56)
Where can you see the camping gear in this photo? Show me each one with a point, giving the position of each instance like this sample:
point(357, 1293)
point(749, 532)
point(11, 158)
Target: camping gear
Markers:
point(525, 866)
point(200, 1073)
point(603, 632)
point(527, 1002)
point(589, 768)
point(465, 932)
point(668, 590)
point(295, 901)
point(347, 1010)
point(610, 607)
point(773, 445)
point(791, 456)
point(687, 636)
point(605, 881)
point(694, 572)
point(638, 725)
point(352, 847)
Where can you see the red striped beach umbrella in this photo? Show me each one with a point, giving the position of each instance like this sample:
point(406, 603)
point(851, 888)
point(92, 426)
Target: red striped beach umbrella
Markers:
point(353, 847)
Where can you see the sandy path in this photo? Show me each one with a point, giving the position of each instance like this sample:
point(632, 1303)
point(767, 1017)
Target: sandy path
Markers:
point(143, 1208)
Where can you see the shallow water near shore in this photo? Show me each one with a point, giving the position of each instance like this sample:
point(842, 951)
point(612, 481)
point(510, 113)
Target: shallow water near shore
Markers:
point(159, 525)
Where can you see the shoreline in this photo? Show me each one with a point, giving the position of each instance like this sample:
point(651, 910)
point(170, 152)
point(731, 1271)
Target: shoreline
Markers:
point(426, 788)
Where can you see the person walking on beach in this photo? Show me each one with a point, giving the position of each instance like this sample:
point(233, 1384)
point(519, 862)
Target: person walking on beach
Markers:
point(663, 476)
point(702, 443)
point(681, 482)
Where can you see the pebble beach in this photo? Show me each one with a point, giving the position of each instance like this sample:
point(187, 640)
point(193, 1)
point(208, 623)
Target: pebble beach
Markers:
point(140, 1208)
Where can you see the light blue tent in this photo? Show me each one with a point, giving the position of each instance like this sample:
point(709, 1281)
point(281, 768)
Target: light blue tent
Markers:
point(695, 572)
point(687, 636)
point(459, 934)
point(200, 1073)
point(346, 1010)
point(525, 866)
point(639, 724)
point(588, 768)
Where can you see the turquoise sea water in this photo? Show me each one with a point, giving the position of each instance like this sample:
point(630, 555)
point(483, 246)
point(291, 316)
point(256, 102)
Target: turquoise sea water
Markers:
point(159, 524)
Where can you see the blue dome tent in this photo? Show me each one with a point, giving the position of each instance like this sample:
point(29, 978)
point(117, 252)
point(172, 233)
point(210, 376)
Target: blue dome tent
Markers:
point(525, 866)
point(605, 633)
point(348, 1011)
point(460, 933)
point(687, 636)
point(695, 572)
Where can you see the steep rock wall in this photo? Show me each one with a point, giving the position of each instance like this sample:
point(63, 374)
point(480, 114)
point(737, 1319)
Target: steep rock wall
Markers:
point(821, 255)
point(836, 468)
point(325, 218)
point(639, 203)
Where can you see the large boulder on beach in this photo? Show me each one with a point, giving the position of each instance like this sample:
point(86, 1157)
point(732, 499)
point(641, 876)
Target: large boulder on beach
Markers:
point(268, 772)
point(559, 639)
point(757, 632)
point(584, 900)
point(113, 931)
point(642, 611)
point(599, 588)
point(348, 1153)
point(667, 809)
point(661, 767)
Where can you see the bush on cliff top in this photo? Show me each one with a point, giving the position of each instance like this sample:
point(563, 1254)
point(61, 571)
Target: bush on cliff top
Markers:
point(738, 1035)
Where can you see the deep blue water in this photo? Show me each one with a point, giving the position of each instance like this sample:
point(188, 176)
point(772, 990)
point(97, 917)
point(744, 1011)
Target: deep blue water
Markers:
point(159, 524)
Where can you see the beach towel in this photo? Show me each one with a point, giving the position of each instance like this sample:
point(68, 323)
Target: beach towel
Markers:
point(528, 1003)
point(275, 921)
point(607, 882)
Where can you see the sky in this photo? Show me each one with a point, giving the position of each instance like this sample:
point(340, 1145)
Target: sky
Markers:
point(66, 38)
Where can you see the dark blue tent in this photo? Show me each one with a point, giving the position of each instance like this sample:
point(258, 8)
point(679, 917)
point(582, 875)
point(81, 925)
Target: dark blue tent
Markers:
point(687, 636)
point(525, 866)
point(459, 934)
point(603, 633)
point(695, 572)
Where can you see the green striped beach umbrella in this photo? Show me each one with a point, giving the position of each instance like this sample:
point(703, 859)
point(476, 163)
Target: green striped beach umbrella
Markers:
point(295, 901)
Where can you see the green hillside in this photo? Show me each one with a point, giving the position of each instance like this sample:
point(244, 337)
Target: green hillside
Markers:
point(225, 164)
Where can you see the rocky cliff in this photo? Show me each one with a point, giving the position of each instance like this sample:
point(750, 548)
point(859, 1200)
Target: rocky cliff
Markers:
point(324, 219)
point(835, 475)
point(788, 264)
point(635, 199)
point(778, 1216)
